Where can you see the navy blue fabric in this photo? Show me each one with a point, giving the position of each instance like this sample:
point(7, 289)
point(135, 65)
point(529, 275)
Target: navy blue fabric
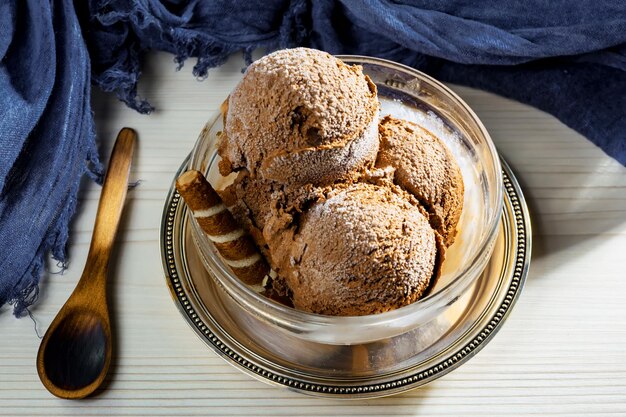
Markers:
point(46, 138)
point(567, 58)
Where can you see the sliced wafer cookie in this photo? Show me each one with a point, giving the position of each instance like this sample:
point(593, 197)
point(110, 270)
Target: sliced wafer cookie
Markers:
point(236, 247)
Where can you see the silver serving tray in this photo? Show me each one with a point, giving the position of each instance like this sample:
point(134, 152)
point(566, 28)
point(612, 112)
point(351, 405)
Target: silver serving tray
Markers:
point(469, 324)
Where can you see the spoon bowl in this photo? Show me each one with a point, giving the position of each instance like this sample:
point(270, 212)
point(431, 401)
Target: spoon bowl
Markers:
point(78, 352)
point(75, 353)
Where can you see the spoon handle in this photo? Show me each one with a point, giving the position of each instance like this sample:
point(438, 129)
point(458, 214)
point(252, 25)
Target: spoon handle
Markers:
point(111, 204)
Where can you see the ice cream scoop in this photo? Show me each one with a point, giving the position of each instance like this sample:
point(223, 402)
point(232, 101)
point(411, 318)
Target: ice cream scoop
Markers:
point(300, 116)
point(365, 249)
point(250, 202)
point(425, 167)
point(352, 214)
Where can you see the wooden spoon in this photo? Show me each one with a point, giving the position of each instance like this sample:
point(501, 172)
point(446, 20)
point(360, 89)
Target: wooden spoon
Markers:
point(75, 354)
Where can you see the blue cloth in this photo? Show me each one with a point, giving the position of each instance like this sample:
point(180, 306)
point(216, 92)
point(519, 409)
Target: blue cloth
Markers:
point(46, 138)
point(566, 58)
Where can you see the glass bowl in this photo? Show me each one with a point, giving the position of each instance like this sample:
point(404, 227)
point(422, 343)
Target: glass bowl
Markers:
point(407, 93)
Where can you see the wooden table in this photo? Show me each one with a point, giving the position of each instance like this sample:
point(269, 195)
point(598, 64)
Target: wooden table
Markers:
point(561, 352)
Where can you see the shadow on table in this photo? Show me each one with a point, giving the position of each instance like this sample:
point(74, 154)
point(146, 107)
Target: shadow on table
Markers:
point(587, 202)
point(574, 191)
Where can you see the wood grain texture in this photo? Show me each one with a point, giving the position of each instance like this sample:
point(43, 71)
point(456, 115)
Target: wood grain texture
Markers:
point(75, 353)
point(561, 352)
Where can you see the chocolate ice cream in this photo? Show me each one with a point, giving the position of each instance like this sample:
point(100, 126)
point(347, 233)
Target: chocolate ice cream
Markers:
point(301, 116)
point(364, 249)
point(250, 202)
point(425, 168)
point(348, 229)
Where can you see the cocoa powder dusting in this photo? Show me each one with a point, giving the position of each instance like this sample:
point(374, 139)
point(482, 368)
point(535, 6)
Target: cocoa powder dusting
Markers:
point(425, 167)
point(293, 103)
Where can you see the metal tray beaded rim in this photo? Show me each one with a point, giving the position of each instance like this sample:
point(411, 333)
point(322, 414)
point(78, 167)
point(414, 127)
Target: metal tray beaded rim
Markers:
point(462, 354)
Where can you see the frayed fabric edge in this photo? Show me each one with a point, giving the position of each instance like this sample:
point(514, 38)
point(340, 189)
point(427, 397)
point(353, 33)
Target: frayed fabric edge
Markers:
point(56, 239)
point(123, 78)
